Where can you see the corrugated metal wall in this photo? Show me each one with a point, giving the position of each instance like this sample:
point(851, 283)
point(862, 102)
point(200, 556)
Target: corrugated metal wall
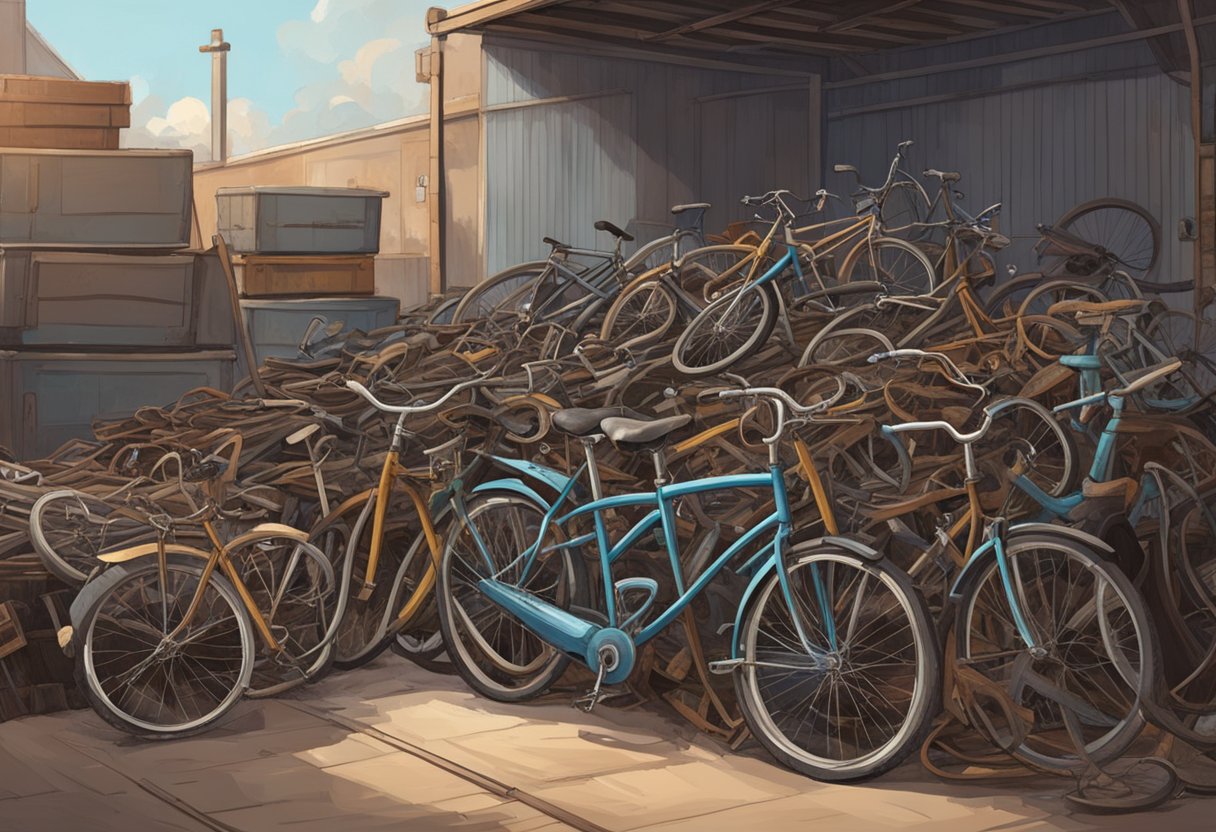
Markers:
point(625, 140)
point(1039, 135)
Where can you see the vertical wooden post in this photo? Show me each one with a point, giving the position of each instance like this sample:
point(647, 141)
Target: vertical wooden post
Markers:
point(1205, 171)
point(435, 177)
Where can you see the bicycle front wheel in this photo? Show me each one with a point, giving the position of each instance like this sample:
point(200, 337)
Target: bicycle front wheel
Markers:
point(1099, 650)
point(861, 706)
point(142, 681)
point(728, 330)
point(69, 529)
point(495, 654)
point(640, 315)
point(897, 264)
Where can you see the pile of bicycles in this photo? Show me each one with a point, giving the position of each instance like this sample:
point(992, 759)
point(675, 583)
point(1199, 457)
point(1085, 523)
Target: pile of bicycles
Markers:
point(842, 485)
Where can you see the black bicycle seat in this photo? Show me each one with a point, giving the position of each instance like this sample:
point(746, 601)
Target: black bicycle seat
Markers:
point(604, 225)
point(549, 241)
point(582, 421)
point(642, 431)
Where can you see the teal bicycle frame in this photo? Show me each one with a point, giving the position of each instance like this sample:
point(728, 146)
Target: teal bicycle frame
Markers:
point(581, 638)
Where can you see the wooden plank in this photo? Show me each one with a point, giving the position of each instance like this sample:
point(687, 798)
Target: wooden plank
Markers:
point(857, 20)
point(720, 19)
point(60, 138)
point(37, 88)
point(41, 114)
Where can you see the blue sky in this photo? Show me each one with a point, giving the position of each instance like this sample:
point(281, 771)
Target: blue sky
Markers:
point(298, 68)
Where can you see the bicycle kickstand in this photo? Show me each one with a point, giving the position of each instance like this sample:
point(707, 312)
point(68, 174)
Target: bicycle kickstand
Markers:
point(589, 700)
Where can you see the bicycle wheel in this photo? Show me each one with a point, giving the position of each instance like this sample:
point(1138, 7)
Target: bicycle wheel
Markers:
point(1025, 436)
point(1100, 649)
point(862, 708)
point(295, 590)
point(712, 270)
point(897, 264)
point(1124, 230)
point(846, 347)
point(728, 330)
point(491, 295)
point(496, 655)
point(905, 205)
point(69, 529)
point(640, 315)
point(141, 681)
point(1174, 333)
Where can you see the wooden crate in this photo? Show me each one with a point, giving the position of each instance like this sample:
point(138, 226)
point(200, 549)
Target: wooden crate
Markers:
point(262, 277)
point(57, 113)
point(60, 138)
point(95, 299)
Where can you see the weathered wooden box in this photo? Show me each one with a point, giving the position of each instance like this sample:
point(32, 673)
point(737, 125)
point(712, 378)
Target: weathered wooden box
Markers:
point(261, 275)
point(68, 298)
point(282, 220)
point(86, 199)
point(47, 398)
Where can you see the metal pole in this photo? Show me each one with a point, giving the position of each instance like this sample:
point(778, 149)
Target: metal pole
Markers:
point(219, 50)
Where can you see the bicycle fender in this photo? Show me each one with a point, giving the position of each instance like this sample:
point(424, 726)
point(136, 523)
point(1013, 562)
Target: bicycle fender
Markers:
point(515, 486)
point(144, 549)
point(554, 479)
point(268, 530)
point(855, 547)
point(987, 552)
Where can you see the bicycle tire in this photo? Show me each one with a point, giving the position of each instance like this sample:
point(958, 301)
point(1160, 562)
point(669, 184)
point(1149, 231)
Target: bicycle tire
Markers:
point(919, 658)
point(1127, 230)
point(90, 642)
point(1046, 739)
point(533, 665)
point(487, 297)
point(653, 307)
point(68, 529)
point(844, 347)
point(757, 315)
point(906, 271)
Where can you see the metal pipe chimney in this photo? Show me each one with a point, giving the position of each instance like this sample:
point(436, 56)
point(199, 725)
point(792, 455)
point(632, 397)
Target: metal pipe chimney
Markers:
point(12, 37)
point(219, 50)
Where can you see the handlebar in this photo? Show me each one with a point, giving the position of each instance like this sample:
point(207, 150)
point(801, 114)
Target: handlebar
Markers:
point(959, 379)
point(351, 384)
point(1170, 365)
point(782, 400)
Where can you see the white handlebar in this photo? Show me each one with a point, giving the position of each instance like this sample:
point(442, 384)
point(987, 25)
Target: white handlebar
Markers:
point(351, 384)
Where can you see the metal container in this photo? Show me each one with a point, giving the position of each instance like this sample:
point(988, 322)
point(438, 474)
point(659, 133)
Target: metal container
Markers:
point(276, 326)
point(47, 398)
point(67, 298)
point(276, 220)
point(95, 198)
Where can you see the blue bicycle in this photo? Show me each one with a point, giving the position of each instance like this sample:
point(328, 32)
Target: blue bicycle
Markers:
point(833, 655)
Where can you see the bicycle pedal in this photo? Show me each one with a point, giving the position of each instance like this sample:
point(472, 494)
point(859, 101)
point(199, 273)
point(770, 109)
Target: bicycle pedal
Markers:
point(724, 667)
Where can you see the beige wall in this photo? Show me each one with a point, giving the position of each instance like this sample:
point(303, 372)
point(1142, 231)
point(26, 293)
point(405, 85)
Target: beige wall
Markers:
point(391, 160)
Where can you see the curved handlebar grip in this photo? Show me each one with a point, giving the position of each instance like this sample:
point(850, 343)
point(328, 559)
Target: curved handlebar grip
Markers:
point(1096, 398)
point(878, 356)
point(906, 143)
point(1163, 369)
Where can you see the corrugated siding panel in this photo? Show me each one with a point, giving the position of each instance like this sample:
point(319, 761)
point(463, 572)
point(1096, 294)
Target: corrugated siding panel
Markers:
point(1043, 149)
point(555, 168)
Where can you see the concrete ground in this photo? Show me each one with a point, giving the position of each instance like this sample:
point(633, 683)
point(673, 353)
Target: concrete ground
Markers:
point(395, 747)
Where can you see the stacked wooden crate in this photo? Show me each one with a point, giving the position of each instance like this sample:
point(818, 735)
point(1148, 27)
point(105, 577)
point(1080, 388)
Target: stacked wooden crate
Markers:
point(103, 309)
point(304, 253)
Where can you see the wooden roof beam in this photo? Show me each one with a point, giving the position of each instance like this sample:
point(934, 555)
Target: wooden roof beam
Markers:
point(723, 18)
point(857, 20)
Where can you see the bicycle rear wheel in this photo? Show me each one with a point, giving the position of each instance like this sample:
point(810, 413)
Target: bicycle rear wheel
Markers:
point(860, 709)
point(1099, 642)
point(494, 293)
point(897, 264)
point(139, 680)
point(1121, 228)
point(728, 330)
point(640, 315)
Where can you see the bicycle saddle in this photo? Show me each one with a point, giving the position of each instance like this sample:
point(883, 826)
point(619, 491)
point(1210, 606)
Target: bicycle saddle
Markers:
point(582, 421)
point(549, 241)
point(642, 431)
point(944, 175)
point(691, 206)
point(604, 225)
point(1088, 309)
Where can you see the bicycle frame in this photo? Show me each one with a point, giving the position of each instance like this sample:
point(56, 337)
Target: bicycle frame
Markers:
point(764, 557)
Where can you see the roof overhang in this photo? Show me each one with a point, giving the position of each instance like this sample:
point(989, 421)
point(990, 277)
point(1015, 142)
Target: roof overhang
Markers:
point(759, 28)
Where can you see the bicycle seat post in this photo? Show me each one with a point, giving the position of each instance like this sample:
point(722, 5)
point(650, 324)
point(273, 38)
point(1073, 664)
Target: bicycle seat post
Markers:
point(660, 467)
point(593, 471)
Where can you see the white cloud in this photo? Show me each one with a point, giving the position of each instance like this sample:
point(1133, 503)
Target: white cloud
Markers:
point(355, 60)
